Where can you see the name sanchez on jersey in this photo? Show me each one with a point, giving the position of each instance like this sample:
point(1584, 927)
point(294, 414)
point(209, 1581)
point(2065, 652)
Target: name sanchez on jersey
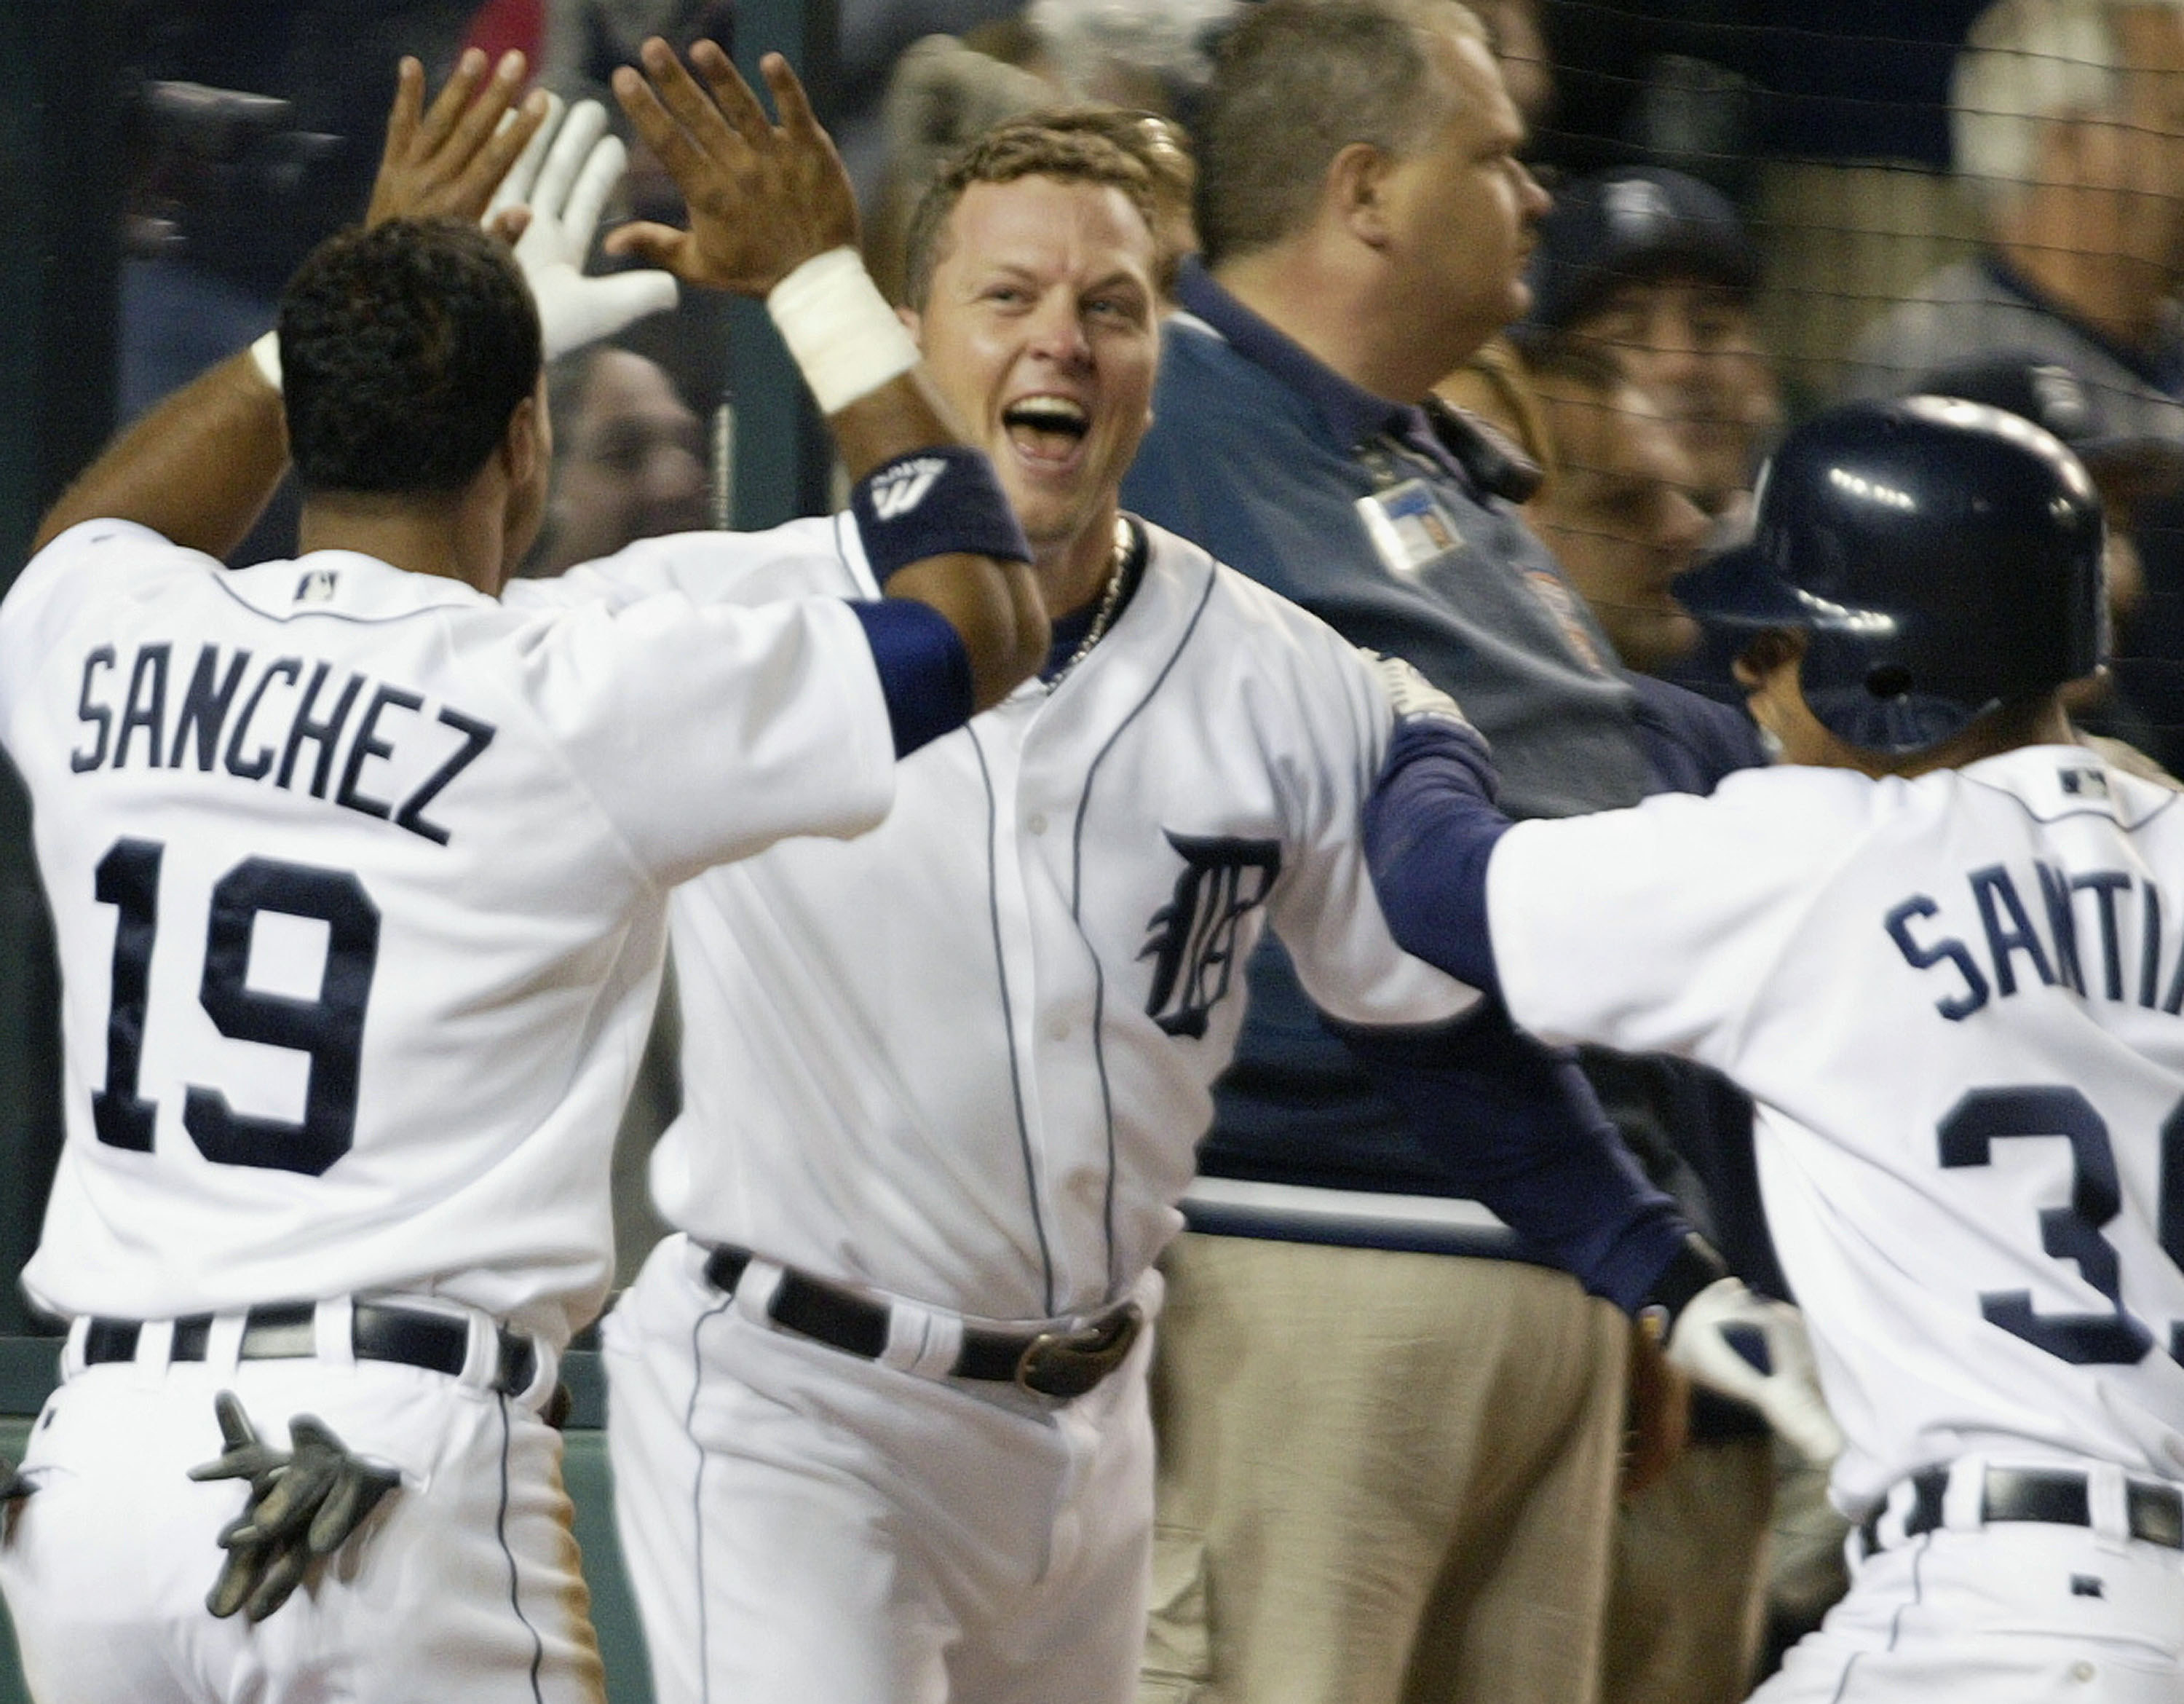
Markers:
point(252, 719)
point(2028, 934)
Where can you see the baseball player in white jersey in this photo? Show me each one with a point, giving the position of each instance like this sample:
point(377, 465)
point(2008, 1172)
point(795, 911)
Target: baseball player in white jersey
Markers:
point(878, 1414)
point(359, 880)
point(1941, 951)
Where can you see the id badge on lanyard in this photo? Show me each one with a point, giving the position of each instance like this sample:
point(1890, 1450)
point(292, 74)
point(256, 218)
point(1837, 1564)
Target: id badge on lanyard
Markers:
point(1407, 524)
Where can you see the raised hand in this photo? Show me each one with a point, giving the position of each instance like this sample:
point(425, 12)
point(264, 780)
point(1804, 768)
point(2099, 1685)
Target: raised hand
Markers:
point(563, 180)
point(763, 198)
point(446, 159)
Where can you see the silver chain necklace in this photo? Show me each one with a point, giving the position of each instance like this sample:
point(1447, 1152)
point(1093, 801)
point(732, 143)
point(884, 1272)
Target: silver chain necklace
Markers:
point(1110, 600)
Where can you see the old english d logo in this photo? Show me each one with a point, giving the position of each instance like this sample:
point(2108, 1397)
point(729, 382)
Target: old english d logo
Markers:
point(1193, 937)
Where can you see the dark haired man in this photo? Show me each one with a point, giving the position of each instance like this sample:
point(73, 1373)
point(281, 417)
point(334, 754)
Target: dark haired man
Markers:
point(1657, 268)
point(1938, 945)
point(359, 881)
point(1618, 511)
point(879, 1411)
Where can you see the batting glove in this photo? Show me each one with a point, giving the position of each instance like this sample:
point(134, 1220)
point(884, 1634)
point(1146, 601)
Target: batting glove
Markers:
point(304, 1505)
point(1411, 693)
point(1755, 1350)
point(244, 1456)
point(564, 176)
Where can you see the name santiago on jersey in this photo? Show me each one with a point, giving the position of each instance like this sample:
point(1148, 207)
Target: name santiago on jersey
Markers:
point(2123, 947)
point(280, 711)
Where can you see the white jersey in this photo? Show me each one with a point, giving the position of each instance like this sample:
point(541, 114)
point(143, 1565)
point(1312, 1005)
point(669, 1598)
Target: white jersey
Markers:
point(360, 882)
point(1957, 1002)
point(966, 1059)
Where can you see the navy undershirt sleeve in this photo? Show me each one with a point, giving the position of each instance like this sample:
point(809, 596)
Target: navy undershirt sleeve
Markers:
point(1430, 829)
point(925, 672)
point(1515, 1124)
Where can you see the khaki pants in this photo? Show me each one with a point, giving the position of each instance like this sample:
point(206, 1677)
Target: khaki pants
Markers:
point(1690, 1584)
point(1383, 1479)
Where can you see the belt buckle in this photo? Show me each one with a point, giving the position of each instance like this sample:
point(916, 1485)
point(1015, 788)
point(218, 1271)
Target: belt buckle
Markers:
point(2155, 1513)
point(1068, 1363)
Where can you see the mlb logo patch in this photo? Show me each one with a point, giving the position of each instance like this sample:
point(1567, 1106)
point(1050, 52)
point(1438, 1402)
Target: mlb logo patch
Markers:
point(317, 587)
point(2083, 784)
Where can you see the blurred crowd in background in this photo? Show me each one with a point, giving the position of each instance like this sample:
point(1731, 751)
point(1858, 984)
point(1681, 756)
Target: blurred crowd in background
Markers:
point(1756, 206)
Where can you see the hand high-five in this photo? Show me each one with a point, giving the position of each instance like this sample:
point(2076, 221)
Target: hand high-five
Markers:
point(763, 198)
point(563, 181)
point(447, 159)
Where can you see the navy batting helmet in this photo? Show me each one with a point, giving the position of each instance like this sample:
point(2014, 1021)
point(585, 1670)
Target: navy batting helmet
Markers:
point(1943, 557)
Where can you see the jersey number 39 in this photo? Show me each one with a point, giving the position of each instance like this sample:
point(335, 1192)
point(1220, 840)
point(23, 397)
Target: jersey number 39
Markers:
point(1986, 1116)
point(330, 1029)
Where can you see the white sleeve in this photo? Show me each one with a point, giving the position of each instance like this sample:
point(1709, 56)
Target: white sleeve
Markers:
point(1654, 929)
point(1324, 908)
point(802, 559)
point(50, 593)
point(707, 732)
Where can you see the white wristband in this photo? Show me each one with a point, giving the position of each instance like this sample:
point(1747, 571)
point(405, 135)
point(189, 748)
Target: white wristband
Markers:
point(266, 352)
point(845, 338)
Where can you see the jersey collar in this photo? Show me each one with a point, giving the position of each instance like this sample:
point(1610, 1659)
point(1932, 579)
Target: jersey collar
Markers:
point(1355, 416)
point(349, 584)
point(2055, 781)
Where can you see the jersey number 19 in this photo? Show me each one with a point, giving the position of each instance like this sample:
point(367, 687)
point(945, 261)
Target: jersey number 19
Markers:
point(329, 1029)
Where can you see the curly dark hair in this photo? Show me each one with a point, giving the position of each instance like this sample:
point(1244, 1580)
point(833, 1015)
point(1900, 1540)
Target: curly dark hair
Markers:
point(403, 350)
point(1062, 145)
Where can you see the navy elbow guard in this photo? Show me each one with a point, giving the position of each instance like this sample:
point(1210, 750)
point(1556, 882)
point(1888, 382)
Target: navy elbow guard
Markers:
point(935, 502)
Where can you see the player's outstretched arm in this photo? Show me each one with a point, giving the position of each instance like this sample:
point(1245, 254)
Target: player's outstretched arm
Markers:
point(1430, 830)
point(773, 215)
point(199, 468)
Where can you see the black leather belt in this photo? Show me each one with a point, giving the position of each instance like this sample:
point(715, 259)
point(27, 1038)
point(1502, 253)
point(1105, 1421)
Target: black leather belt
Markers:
point(1051, 1363)
point(2059, 1497)
point(286, 1329)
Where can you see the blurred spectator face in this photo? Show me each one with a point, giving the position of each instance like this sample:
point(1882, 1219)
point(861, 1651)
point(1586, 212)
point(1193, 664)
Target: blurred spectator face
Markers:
point(2069, 124)
point(1619, 515)
point(631, 464)
point(2136, 154)
point(1459, 209)
point(1039, 328)
point(1689, 343)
